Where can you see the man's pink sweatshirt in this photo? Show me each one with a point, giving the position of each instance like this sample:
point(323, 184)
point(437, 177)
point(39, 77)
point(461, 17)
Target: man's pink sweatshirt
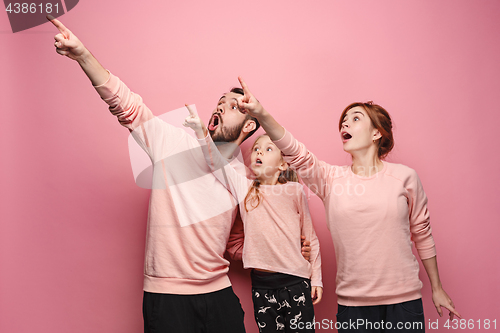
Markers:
point(190, 212)
point(373, 221)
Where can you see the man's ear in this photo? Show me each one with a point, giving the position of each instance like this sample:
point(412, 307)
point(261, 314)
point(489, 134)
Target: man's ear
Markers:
point(249, 126)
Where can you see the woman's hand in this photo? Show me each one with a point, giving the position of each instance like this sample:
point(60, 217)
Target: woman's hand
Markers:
point(248, 103)
point(316, 294)
point(441, 299)
point(439, 296)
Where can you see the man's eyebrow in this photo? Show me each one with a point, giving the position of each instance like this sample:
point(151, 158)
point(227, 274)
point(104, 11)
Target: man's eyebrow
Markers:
point(223, 96)
point(233, 99)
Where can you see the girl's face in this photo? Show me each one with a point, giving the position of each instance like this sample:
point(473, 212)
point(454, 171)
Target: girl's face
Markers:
point(266, 160)
point(357, 132)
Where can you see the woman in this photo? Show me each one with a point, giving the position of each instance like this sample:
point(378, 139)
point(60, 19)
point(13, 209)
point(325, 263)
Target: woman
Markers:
point(374, 210)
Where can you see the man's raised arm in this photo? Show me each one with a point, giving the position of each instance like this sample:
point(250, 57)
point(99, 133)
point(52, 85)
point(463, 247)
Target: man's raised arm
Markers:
point(154, 136)
point(67, 44)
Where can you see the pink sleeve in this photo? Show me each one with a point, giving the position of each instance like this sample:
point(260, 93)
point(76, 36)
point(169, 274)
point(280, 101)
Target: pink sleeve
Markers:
point(237, 184)
point(127, 106)
point(154, 135)
point(313, 172)
point(236, 238)
point(419, 218)
point(308, 231)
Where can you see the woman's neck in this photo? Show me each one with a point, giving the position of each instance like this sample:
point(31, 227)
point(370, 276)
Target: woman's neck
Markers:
point(366, 165)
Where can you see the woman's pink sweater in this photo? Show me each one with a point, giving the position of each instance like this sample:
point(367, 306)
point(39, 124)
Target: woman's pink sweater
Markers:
point(373, 221)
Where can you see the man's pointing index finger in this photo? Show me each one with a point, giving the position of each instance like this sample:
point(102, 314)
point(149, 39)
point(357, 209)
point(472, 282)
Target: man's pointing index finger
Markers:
point(62, 29)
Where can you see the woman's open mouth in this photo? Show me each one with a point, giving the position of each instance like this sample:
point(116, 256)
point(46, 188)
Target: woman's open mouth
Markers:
point(345, 136)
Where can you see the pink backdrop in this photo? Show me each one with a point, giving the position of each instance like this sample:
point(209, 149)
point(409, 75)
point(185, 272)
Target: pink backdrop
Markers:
point(73, 220)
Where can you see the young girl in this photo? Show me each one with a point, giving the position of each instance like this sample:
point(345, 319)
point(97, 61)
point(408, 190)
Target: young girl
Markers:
point(374, 211)
point(275, 214)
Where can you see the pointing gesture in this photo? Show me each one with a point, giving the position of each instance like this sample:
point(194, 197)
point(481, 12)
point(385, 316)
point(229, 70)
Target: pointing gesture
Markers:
point(70, 46)
point(67, 43)
point(192, 110)
point(195, 123)
point(248, 103)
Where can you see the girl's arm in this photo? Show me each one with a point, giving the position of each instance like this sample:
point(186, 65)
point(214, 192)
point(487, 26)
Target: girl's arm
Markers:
point(307, 229)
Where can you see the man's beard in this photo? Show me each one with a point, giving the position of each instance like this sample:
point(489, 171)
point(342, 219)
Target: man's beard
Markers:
point(227, 134)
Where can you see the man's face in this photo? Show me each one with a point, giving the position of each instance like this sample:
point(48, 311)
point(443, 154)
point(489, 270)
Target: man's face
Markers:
point(227, 121)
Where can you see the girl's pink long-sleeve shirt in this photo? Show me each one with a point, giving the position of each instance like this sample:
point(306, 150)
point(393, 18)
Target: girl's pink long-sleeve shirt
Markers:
point(373, 221)
point(190, 212)
point(273, 228)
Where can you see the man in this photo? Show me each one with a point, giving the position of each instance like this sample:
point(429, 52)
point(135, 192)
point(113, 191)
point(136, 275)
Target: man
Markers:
point(191, 214)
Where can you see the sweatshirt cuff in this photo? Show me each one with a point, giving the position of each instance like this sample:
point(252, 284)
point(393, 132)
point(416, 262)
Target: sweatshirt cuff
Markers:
point(316, 284)
point(284, 134)
point(206, 140)
point(427, 253)
point(285, 141)
point(109, 88)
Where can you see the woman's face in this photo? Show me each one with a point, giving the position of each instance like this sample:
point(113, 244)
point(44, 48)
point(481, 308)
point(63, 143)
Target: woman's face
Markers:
point(357, 132)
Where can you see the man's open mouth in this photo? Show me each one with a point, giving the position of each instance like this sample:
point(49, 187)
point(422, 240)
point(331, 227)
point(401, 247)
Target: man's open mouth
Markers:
point(214, 123)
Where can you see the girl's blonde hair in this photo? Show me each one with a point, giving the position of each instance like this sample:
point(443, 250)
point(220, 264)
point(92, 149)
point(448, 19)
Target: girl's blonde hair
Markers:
point(284, 177)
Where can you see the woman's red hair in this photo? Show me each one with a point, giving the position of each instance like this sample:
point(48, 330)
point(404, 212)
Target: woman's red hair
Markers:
point(381, 120)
